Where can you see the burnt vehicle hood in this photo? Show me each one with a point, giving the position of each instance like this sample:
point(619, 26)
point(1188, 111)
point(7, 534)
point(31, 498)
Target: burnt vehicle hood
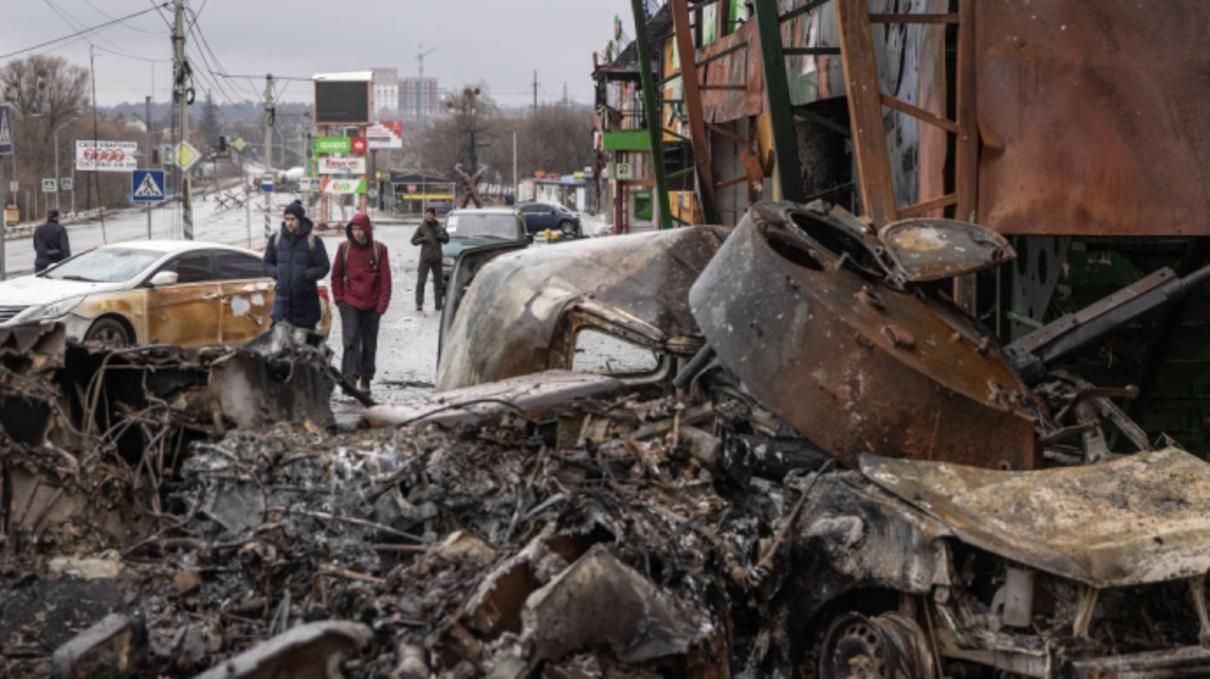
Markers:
point(1136, 520)
point(513, 319)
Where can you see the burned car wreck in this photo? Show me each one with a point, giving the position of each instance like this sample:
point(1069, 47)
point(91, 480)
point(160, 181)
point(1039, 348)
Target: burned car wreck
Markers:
point(821, 467)
point(962, 527)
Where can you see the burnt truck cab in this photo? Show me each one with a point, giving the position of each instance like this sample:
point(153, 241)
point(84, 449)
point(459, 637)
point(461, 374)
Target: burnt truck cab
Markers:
point(962, 531)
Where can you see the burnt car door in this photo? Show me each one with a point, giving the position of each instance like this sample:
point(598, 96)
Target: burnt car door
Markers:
point(247, 296)
point(187, 313)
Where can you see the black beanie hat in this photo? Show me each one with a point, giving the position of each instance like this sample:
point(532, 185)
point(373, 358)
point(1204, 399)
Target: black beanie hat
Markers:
point(296, 209)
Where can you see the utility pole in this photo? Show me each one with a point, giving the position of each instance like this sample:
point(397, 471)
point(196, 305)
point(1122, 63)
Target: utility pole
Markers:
point(147, 119)
point(181, 93)
point(514, 191)
point(535, 91)
point(270, 115)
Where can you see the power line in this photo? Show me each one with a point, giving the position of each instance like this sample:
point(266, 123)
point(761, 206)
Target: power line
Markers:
point(218, 67)
point(77, 34)
point(75, 23)
point(110, 16)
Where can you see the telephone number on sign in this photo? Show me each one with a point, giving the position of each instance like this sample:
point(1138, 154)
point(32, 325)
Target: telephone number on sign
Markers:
point(104, 155)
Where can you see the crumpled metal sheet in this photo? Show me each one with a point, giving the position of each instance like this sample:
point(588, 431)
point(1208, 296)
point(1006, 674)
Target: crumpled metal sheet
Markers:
point(515, 318)
point(600, 601)
point(1139, 519)
point(852, 364)
point(929, 249)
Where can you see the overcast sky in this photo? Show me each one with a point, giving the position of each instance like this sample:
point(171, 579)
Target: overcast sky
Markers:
point(500, 42)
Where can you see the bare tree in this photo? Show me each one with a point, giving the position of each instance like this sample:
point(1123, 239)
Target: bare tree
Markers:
point(555, 139)
point(45, 87)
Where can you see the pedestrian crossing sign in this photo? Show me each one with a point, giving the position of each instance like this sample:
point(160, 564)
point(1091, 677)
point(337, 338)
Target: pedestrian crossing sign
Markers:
point(6, 129)
point(147, 186)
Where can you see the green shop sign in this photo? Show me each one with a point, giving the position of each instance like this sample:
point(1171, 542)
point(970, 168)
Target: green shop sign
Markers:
point(332, 145)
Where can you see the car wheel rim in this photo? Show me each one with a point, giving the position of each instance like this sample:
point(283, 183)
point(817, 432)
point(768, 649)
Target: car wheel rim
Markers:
point(110, 335)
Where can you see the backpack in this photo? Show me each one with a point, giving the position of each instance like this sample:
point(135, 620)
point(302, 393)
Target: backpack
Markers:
point(343, 254)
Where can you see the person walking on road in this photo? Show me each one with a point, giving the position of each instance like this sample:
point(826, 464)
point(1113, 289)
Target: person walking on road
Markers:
point(50, 242)
point(429, 236)
point(297, 260)
point(361, 286)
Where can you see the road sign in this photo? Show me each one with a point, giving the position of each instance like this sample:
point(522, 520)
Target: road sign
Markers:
point(332, 145)
point(266, 183)
point(621, 171)
point(186, 155)
point(239, 144)
point(308, 185)
point(147, 186)
point(372, 193)
point(66, 184)
point(49, 185)
point(106, 156)
point(358, 145)
point(344, 186)
point(6, 129)
point(14, 186)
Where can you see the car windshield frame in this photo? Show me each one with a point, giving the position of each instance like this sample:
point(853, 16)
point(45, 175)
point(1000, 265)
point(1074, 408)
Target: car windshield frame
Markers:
point(457, 225)
point(105, 265)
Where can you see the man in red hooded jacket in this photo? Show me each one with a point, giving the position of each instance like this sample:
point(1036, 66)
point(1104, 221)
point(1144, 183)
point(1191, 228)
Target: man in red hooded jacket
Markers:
point(361, 286)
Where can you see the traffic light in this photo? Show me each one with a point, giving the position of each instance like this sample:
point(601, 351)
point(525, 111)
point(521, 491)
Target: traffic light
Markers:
point(222, 143)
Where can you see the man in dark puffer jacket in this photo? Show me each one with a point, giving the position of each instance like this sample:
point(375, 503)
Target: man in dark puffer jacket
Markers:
point(297, 260)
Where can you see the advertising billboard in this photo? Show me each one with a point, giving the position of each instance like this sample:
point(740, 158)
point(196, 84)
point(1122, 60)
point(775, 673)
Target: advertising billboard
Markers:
point(342, 102)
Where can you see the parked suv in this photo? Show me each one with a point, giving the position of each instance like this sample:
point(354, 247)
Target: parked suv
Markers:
point(542, 216)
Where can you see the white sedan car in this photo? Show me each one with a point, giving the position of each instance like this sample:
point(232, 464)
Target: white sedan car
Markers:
point(187, 293)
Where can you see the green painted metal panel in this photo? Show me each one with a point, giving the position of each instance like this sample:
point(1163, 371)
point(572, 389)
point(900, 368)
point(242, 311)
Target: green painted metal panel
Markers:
point(627, 140)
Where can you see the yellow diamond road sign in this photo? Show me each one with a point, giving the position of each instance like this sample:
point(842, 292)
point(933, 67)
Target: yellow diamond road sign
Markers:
point(187, 155)
point(239, 144)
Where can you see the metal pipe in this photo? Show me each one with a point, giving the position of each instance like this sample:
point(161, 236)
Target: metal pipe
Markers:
point(651, 113)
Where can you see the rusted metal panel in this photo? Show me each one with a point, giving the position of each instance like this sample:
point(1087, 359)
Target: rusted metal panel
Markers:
point(1088, 123)
point(1139, 519)
point(738, 65)
point(521, 312)
point(852, 364)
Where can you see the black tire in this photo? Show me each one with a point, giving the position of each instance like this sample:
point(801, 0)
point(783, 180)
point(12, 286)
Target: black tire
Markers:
point(110, 332)
point(568, 228)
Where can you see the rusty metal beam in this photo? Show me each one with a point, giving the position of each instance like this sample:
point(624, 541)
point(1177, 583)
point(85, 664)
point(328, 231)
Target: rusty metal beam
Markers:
point(917, 112)
point(966, 164)
point(865, 111)
point(926, 206)
point(692, 95)
point(914, 18)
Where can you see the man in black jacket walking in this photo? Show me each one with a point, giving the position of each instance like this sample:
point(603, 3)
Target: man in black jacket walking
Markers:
point(297, 260)
point(50, 242)
point(429, 236)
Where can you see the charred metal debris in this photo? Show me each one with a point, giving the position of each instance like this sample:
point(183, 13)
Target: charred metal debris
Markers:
point(831, 472)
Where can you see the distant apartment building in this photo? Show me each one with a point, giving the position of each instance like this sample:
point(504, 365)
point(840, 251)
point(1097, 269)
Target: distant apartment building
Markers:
point(419, 98)
point(386, 91)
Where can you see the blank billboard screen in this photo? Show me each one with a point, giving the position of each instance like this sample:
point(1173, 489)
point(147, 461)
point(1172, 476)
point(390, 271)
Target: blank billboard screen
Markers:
point(342, 102)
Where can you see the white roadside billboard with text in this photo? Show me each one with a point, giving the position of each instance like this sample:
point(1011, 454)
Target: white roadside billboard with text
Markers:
point(106, 156)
